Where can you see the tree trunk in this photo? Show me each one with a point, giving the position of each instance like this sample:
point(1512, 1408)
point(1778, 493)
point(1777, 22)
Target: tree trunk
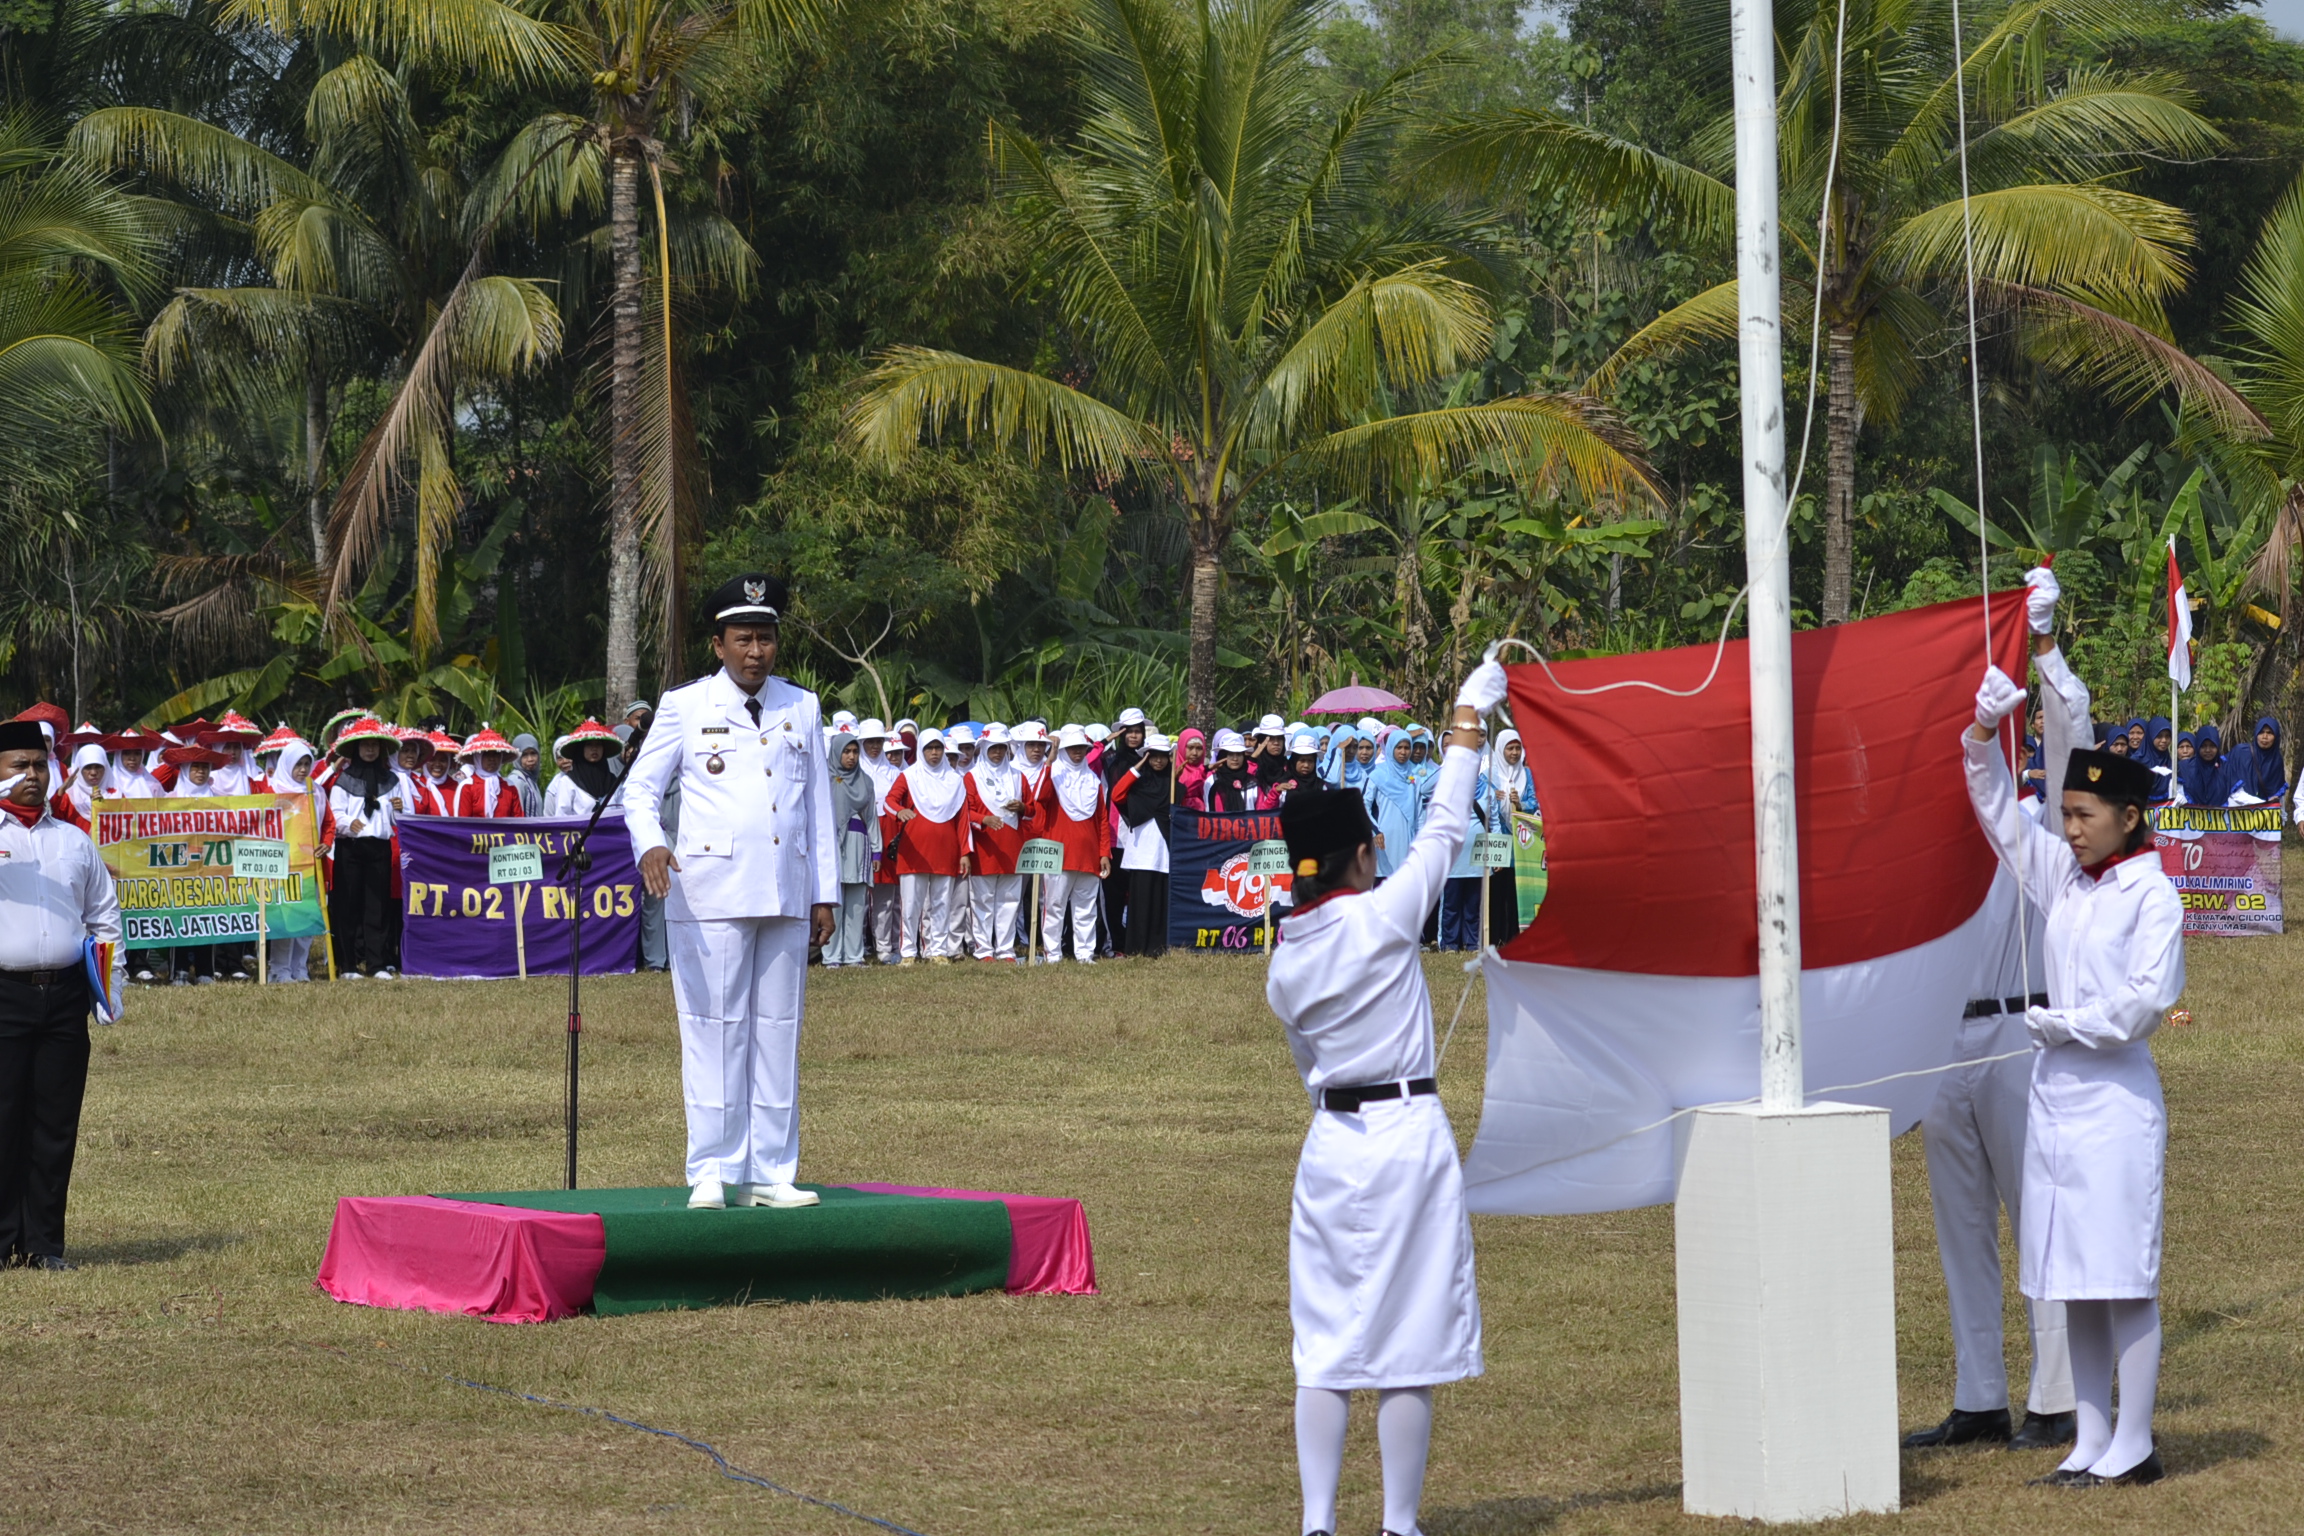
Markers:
point(316, 459)
point(624, 457)
point(1200, 674)
point(1408, 592)
point(1841, 421)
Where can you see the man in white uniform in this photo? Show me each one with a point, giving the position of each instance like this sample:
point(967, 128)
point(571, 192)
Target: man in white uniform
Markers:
point(755, 875)
point(1974, 1132)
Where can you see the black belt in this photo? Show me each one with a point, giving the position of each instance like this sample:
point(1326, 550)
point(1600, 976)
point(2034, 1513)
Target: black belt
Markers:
point(1985, 1007)
point(41, 978)
point(1347, 1101)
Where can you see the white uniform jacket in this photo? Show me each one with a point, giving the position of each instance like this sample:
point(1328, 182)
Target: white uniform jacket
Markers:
point(1380, 1281)
point(2096, 1139)
point(756, 837)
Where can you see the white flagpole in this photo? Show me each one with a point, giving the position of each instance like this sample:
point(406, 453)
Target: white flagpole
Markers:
point(1767, 557)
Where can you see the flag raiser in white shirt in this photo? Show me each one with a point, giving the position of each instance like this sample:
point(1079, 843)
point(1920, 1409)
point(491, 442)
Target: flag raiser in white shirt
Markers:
point(54, 892)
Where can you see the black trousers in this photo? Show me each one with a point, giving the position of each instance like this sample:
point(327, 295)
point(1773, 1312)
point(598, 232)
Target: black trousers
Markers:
point(1503, 905)
point(359, 908)
point(1146, 929)
point(43, 1077)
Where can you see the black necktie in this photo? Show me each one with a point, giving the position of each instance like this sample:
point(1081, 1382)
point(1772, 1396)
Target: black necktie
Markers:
point(754, 706)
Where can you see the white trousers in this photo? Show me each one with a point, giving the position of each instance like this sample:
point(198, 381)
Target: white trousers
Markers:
point(927, 915)
point(737, 984)
point(1075, 892)
point(1974, 1137)
point(847, 946)
point(887, 903)
point(992, 914)
point(288, 959)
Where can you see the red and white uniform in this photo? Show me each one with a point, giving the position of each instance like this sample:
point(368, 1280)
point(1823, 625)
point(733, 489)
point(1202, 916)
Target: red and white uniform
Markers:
point(995, 834)
point(1074, 809)
point(486, 795)
point(928, 853)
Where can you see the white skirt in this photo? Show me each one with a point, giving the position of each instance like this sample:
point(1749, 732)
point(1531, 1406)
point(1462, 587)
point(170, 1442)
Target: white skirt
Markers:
point(2095, 1152)
point(1380, 1287)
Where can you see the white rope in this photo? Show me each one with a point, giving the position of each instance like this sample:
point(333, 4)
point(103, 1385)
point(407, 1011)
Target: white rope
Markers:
point(1983, 512)
point(1719, 649)
point(1471, 974)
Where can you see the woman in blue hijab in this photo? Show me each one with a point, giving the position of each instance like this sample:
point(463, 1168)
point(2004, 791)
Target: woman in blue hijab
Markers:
point(2210, 782)
point(1395, 804)
point(2260, 766)
point(1340, 764)
point(2159, 750)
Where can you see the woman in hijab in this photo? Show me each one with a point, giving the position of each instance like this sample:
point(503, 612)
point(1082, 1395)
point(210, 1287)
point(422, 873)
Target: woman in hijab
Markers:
point(1515, 790)
point(2211, 782)
point(2139, 740)
point(931, 857)
point(856, 827)
point(76, 801)
point(527, 758)
point(1114, 759)
point(1230, 789)
point(1142, 799)
point(291, 959)
point(2158, 752)
point(1395, 805)
point(1467, 882)
point(1192, 768)
point(590, 774)
point(1302, 772)
point(2115, 742)
point(999, 816)
point(364, 801)
point(2259, 767)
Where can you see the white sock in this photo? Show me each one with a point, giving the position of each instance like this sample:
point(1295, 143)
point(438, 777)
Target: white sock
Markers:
point(2135, 1328)
point(1404, 1433)
point(2088, 1329)
point(1320, 1418)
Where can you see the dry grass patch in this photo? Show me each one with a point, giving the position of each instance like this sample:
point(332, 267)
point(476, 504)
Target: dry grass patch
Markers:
point(188, 1378)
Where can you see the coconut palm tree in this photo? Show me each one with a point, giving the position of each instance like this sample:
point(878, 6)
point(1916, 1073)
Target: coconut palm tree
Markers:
point(2078, 267)
point(330, 236)
point(69, 245)
point(1241, 298)
point(637, 67)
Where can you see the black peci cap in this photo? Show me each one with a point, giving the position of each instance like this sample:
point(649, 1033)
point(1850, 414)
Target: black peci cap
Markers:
point(751, 598)
point(1319, 822)
point(2110, 775)
point(22, 736)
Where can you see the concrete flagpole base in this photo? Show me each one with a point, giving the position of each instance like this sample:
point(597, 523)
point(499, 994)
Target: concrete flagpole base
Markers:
point(1786, 1270)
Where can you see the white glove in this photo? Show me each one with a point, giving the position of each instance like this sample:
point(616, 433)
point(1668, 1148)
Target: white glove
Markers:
point(1484, 689)
point(1996, 699)
point(2040, 602)
point(2047, 1026)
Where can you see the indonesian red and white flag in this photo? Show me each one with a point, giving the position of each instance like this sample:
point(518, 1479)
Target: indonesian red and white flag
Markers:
point(2179, 623)
point(1635, 991)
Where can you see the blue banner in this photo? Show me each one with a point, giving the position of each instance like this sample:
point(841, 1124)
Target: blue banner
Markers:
point(1214, 904)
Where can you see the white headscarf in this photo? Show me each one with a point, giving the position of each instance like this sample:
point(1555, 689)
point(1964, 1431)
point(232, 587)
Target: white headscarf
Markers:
point(939, 789)
point(133, 784)
point(82, 796)
point(997, 784)
point(1510, 783)
point(237, 777)
point(1077, 786)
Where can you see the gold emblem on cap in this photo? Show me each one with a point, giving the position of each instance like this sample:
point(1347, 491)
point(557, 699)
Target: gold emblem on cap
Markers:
point(2094, 774)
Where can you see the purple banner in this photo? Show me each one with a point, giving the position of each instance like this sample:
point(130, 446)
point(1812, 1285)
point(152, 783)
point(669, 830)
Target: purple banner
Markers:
point(455, 924)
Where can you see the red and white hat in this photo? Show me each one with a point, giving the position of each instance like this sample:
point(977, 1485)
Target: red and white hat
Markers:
point(186, 756)
point(591, 730)
point(234, 730)
point(444, 745)
point(366, 728)
point(49, 715)
point(130, 739)
point(486, 739)
point(417, 734)
point(280, 740)
point(89, 731)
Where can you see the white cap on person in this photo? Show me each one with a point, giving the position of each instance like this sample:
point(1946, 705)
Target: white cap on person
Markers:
point(1270, 725)
point(1072, 736)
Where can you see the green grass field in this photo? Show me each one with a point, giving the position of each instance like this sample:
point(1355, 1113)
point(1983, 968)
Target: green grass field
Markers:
point(189, 1377)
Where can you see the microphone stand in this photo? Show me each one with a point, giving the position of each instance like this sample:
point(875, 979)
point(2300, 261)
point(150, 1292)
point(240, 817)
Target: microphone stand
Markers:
point(576, 861)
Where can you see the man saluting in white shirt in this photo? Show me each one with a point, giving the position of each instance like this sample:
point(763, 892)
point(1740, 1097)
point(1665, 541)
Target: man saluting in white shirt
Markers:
point(55, 893)
point(756, 872)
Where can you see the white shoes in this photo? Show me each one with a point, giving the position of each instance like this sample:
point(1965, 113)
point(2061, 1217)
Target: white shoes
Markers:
point(713, 1195)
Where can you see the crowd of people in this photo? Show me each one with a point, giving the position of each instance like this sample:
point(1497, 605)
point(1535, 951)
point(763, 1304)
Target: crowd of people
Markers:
point(929, 821)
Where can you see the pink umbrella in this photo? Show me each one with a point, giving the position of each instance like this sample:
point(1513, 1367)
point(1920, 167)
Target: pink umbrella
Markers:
point(1355, 700)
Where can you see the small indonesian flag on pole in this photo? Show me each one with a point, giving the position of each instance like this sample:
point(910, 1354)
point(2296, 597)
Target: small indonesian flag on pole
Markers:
point(2179, 624)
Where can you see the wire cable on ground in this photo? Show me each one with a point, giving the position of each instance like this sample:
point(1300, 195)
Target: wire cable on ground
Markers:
point(726, 1469)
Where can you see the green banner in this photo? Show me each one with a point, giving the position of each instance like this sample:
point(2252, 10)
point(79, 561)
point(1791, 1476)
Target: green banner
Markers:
point(171, 863)
point(1528, 876)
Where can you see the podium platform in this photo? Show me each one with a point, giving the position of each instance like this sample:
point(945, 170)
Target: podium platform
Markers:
point(527, 1256)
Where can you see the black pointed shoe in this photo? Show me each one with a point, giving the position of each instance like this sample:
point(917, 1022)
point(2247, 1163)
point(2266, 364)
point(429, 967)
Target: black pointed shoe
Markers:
point(2149, 1470)
point(2041, 1431)
point(1960, 1427)
point(2062, 1477)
